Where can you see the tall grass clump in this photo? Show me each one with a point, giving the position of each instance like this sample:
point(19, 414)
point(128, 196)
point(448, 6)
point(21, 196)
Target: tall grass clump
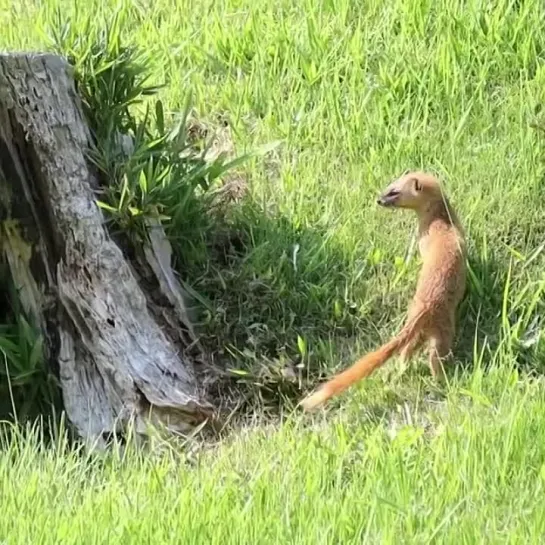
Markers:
point(151, 167)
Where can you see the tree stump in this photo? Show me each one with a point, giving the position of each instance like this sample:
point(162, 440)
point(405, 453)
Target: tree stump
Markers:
point(120, 358)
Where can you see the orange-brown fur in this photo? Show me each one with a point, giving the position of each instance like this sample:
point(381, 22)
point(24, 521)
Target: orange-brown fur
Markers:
point(440, 287)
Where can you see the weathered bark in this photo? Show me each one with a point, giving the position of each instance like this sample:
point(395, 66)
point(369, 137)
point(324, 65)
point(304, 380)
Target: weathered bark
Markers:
point(119, 356)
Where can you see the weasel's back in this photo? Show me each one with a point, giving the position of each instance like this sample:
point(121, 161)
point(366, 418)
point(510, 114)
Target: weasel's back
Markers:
point(442, 278)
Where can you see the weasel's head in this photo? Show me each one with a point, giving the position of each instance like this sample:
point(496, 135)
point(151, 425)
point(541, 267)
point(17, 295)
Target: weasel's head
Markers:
point(414, 190)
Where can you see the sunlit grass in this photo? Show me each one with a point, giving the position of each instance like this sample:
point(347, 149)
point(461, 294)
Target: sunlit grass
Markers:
point(357, 92)
point(468, 472)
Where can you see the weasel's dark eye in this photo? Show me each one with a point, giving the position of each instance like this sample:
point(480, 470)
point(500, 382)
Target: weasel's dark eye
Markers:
point(393, 192)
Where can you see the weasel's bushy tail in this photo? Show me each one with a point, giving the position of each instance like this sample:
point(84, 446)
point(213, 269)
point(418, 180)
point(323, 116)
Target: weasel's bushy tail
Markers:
point(365, 365)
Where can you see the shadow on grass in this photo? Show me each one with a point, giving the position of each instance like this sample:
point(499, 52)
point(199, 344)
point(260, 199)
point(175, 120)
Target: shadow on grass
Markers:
point(501, 312)
point(282, 305)
point(479, 313)
point(284, 301)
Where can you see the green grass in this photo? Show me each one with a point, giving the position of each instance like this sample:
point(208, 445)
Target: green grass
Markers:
point(472, 471)
point(357, 92)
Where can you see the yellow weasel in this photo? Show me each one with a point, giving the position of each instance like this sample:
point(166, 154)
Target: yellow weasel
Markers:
point(441, 284)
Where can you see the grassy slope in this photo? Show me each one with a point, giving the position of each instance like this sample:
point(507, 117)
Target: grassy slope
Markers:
point(358, 92)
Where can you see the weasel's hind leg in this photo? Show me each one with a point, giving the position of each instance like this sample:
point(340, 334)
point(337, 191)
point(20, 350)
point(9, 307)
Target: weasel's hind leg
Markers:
point(440, 343)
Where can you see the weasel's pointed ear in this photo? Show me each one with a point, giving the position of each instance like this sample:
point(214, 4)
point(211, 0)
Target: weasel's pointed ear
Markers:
point(417, 185)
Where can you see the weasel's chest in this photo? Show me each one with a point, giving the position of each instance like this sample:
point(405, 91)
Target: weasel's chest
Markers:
point(423, 245)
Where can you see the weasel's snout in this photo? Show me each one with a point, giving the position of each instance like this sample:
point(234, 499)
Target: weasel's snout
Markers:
point(388, 199)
